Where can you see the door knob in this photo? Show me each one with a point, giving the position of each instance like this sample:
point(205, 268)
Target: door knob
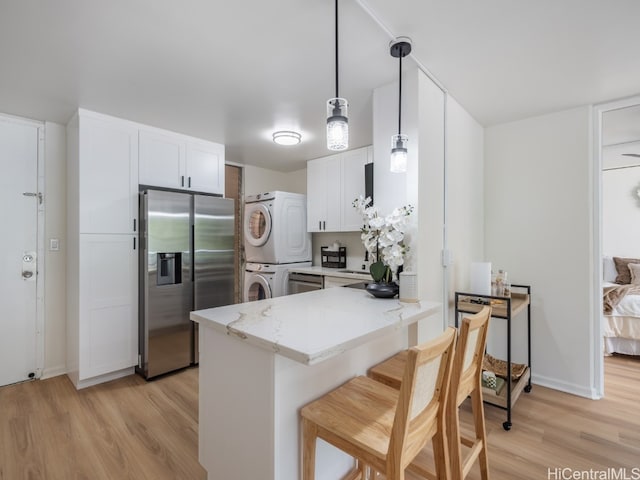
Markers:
point(27, 274)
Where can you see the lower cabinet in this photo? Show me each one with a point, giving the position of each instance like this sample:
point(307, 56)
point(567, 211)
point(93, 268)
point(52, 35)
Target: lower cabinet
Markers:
point(330, 281)
point(103, 318)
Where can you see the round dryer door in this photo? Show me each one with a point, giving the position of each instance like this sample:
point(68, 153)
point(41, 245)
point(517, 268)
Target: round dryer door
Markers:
point(257, 288)
point(257, 224)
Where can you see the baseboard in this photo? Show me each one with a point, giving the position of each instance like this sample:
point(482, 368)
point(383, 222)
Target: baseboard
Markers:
point(566, 387)
point(53, 372)
point(89, 382)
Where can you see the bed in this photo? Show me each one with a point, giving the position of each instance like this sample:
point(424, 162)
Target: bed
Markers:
point(621, 302)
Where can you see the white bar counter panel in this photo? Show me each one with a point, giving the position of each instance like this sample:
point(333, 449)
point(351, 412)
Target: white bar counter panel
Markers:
point(260, 362)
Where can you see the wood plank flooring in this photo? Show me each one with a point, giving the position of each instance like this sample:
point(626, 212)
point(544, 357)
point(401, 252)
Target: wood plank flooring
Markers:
point(125, 429)
point(133, 429)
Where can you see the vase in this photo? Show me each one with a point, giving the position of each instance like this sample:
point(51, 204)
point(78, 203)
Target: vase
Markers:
point(383, 289)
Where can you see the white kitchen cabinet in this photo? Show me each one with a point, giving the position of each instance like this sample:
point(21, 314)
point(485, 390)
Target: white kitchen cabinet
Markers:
point(162, 160)
point(205, 167)
point(323, 194)
point(331, 282)
point(107, 172)
point(333, 183)
point(108, 305)
point(171, 160)
point(102, 277)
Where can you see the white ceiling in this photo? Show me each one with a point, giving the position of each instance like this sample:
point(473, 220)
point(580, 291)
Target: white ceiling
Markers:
point(234, 71)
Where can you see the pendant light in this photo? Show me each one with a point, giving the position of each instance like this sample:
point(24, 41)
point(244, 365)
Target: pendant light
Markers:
point(337, 121)
point(399, 48)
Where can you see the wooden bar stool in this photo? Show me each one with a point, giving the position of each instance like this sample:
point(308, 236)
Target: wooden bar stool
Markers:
point(466, 380)
point(381, 427)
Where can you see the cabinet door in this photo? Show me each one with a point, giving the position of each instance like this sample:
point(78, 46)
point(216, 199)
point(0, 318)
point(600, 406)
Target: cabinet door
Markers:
point(353, 163)
point(331, 282)
point(108, 304)
point(162, 160)
point(316, 194)
point(108, 176)
point(205, 167)
point(323, 194)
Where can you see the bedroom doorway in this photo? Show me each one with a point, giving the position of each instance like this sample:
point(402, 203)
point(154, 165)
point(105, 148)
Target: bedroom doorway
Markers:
point(616, 227)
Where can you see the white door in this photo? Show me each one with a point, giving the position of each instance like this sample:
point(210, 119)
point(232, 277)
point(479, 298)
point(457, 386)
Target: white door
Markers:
point(18, 247)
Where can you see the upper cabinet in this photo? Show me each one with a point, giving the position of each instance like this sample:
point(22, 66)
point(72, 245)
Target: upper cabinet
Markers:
point(104, 173)
point(162, 160)
point(176, 161)
point(333, 183)
point(323, 194)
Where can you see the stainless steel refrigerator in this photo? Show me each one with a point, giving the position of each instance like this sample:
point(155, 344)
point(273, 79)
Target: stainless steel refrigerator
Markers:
point(186, 263)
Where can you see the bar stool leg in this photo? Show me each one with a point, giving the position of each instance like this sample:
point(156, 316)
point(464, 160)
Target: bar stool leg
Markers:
point(453, 439)
point(309, 435)
point(481, 434)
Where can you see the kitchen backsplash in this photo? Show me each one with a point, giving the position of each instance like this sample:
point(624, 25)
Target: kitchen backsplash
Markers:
point(351, 240)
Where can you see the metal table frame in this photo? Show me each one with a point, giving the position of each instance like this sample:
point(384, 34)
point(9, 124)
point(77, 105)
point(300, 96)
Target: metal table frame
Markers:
point(487, 298)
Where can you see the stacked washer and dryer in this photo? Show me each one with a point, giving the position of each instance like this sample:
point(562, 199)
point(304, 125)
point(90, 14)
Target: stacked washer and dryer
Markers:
point(275, 240)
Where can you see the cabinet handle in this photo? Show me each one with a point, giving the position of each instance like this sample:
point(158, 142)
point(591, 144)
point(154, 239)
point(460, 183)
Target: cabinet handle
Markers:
point(182, 181)
point(324, 225)
point(189, 182)
point(134, 243)
point(134, 224)
point(319, 225)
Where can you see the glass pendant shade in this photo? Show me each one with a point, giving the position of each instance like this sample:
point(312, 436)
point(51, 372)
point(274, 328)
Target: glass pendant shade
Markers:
point(337, 124)
point(399, 153)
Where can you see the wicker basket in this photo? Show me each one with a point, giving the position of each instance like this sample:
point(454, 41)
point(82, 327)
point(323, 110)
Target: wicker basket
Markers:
point(499, 367)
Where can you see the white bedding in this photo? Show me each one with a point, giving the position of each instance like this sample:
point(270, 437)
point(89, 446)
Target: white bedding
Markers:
point(621, 328)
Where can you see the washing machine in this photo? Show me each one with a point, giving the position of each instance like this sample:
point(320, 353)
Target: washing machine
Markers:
point(263, 280)
point(275, 228)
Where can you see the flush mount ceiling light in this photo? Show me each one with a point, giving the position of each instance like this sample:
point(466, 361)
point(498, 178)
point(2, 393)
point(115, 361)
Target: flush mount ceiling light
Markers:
point(286, 137)
point(337, 120)
point(399, 48)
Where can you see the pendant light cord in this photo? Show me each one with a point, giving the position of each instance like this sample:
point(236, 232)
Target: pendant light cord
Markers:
point(336, 51)
point(400, 94)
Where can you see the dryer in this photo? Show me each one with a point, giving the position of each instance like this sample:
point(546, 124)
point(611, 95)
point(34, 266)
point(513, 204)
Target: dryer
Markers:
point(262, 281)
point(275, 228)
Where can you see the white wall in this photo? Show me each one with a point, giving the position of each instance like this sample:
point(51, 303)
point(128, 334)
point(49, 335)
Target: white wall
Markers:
point(465, 196)
point(621, 212)
point(55, 262)
point(423, 186)
point(350, 240)
point(260, 180)
point(538, 229)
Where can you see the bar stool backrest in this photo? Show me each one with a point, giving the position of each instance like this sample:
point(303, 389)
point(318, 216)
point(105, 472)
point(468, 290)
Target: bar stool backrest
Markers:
point(422, 401)
point(467, 366)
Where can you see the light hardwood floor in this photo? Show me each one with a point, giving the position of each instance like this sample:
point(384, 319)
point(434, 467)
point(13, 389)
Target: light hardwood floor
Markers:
point(133, 429)
point(125, 429)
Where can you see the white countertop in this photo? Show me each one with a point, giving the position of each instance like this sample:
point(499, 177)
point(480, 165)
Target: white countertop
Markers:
point(313, 326)
point(332, 272)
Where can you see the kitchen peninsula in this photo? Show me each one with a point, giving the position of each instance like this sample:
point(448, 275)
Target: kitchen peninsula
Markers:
point(261, 361)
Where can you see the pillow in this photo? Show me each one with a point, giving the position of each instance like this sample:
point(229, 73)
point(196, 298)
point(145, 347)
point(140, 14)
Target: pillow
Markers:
point(634, 269)
point(624, 275)
point(609, 272)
